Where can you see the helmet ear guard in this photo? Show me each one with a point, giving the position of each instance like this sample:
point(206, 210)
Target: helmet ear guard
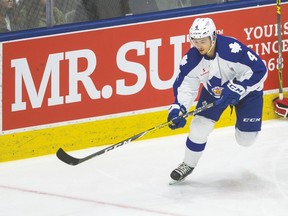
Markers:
point(214, 36)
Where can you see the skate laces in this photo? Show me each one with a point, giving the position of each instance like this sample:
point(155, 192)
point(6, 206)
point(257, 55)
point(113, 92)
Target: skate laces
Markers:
point(183, 169)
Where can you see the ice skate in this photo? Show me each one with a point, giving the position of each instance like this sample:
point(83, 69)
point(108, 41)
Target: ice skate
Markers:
point(180, 173)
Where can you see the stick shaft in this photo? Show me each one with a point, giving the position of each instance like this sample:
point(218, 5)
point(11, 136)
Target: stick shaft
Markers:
point(280, 77)
point(65, 157)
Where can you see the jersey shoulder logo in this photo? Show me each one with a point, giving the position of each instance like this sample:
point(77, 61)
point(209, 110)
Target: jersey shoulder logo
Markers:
point(235, 47)
point(184, 60)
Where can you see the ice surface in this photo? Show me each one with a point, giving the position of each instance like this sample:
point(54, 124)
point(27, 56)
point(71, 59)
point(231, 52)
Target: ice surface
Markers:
point(134, 180)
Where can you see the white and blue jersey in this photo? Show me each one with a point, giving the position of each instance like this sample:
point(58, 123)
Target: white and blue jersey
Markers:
point(232, 61)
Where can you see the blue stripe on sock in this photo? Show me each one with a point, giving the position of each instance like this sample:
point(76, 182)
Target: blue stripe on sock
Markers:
point(195, 146)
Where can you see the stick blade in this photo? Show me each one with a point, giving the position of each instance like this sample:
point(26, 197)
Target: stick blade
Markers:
point(66, 158)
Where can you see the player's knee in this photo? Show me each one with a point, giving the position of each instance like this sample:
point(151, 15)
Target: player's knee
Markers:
point(244, 138)
point(200, 128)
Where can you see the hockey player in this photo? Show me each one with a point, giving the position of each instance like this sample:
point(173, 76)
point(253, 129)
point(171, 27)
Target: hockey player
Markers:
point(229, 72)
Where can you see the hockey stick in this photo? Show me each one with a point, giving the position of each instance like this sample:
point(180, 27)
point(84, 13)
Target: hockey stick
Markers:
point(65, 157)
point(280, 103)
point(278, 10)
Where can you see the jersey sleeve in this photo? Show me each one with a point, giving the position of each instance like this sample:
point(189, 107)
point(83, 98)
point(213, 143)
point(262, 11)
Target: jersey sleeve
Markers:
point(187, 83)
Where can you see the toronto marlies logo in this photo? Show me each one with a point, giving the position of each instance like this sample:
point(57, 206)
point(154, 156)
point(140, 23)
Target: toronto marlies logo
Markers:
point(217, 91)
point(214, 87)
point(235, 47)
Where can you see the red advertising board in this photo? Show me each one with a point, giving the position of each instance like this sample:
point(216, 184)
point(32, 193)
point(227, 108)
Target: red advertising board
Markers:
point(119, 69)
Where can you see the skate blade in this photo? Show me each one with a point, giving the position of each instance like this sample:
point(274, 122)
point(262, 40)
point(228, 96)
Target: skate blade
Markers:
point(174, 182)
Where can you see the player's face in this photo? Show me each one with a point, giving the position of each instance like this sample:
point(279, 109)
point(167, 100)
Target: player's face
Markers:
point(203, 45)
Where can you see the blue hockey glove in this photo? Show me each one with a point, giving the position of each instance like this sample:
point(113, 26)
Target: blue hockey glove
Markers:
point(174, 111)
point(231, 94)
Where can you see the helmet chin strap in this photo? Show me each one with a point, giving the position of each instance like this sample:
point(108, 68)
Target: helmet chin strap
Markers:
point(213, 44)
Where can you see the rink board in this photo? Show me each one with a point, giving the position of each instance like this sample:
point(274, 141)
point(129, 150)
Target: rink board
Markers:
point(99, 133)
point(40, 115)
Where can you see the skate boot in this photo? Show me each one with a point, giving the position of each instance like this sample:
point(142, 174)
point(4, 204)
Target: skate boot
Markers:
point(181, 172)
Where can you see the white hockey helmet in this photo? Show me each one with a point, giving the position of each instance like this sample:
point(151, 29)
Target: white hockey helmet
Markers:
point(201, 28)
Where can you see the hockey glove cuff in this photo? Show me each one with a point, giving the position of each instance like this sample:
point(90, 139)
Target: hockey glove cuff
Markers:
point(231, 94)
point(174, 111)
point(281, 107)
